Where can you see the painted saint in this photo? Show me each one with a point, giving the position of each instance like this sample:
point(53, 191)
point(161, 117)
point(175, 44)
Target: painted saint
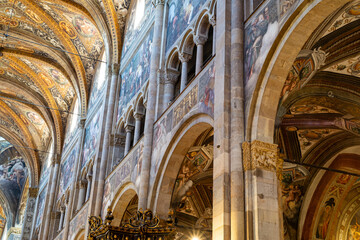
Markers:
point(325, 218)
point(84, 27)
point(33, 16)
point(46, 79)
point(35, 118)
point(68, 29)
point(57, 76)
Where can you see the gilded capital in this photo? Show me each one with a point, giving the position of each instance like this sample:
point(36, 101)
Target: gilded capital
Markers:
point(262, 155)
point(33, 192)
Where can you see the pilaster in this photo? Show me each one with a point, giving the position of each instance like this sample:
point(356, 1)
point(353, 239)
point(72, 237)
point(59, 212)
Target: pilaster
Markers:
point(262, 167)
point(29, 213)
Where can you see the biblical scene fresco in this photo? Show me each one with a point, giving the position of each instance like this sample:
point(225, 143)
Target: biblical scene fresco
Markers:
point(260, 32)
point(181, 13)
point(91, 141)
point(136, 73)
point(13, 174)
point(72, 125)
point(354, 230)
point(206, 97)
point(78, 222)
point(293, 190)
point(113, 182)
point(99, 82)
point(67, 171)
point(40, 208)
point(22, 207)
point(139, 15)
point(136, 164)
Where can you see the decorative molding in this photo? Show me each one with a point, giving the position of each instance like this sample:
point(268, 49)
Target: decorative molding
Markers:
point(261, 155)
point(158, 2)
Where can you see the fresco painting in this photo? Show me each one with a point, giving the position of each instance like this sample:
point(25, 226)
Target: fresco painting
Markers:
point(41, 206)
point(136, 164)
point(13, 176)
point(99, 82)
point(117, 178)
point(206, 91)
point(325, 217)
point(181, 13)
point(136, 73)
point(67, 171)
point(186, 104)
point(78, 222)
point(140, 13)
point(354, 229)
point(91, 141)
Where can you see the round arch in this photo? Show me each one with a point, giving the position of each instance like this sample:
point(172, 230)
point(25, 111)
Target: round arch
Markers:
point(296, 31)
point(172, 160)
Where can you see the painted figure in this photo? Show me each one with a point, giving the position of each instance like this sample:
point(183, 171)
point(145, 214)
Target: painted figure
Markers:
point(325, 218)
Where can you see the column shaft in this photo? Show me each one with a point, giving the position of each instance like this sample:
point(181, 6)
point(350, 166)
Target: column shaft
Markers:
point(222, 130)
point(238, 222)
point(81, 199)
point(137, 129)
point(128, 141)
point(184, 71)
point(100, 180)
point(150, 114)
point(53, 185)
point(61, 222)
point(199, 58)
point(88, 189)
point(168, 93)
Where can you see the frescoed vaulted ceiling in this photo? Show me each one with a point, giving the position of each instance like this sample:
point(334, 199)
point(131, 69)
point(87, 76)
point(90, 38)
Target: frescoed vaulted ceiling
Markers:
point(48, 53)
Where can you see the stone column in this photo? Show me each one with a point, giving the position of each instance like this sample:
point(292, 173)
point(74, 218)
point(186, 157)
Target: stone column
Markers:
point(199, 41)
point(129, 133)
point(88, 189)
point(138, 117)
point(110, 106)
point(61, 222)
point(237, 122)
point(81, 196)
point(29, 213)
point(150, 113)
point(184, 58)
point(160, 92)
point(262, 167)
point(222, 130)
point(55, 164)
point(170, 81)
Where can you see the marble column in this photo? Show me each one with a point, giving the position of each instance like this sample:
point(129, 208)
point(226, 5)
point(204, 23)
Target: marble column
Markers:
point(150, 113)
point(129, 134)
point(138, 118)
point(169, 88)
point(222, 128)
point(61, 222)
point(88, 188)
point(184, 58)
point(82, 193)
point(99, 178)
point(199, 41)
point(237, 124)
point(71, 204)
point(262, 168)
point(53, 179)
point(29, 213)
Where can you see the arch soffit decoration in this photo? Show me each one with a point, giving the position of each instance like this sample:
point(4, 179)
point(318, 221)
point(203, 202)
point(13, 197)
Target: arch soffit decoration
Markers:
point(172, 159)
point(290, 40)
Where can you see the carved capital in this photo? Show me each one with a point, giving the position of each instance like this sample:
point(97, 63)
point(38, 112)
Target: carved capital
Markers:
point(171, 76)
point(212, 20)
point(129, 128)
point(81, 184)
point(158, 2)
point(33, 192)
point(115, 68)
point(261, 155)
point(56, 159)
point(117, 139)
point(200, 40)
point(160, 77)
point(89, 177)
point(138, 116)
point(184, 57)
point(82, 123)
